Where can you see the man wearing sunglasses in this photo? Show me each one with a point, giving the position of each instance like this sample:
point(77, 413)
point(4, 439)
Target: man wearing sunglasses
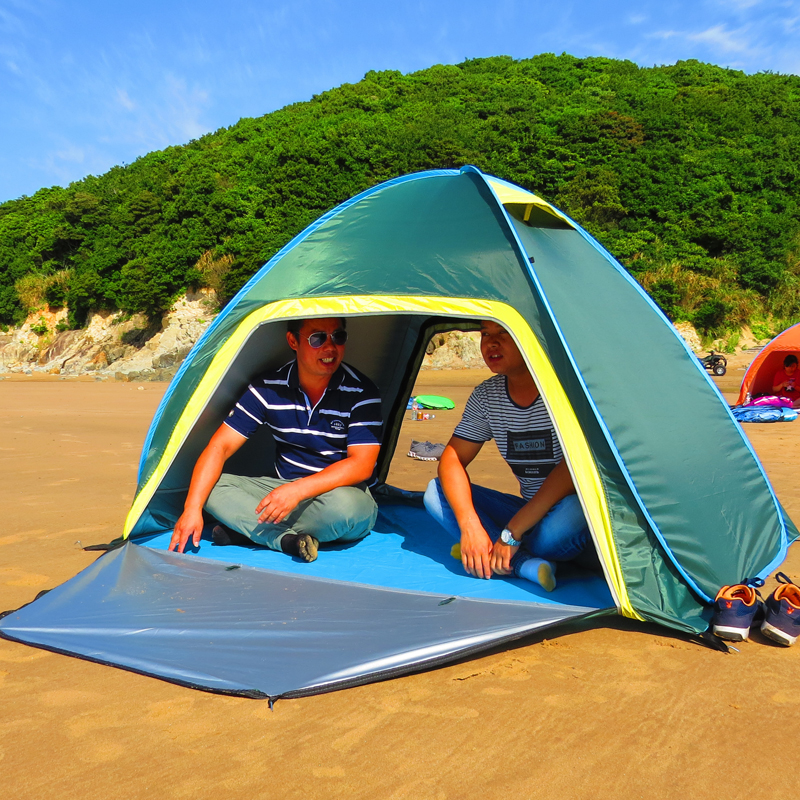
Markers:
point(325, 417)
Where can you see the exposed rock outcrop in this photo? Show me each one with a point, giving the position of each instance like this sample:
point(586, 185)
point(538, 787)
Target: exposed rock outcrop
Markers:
point(743, 339)
point(690, 336)
point(112, 344)
point(131, 348)
point(454, 350)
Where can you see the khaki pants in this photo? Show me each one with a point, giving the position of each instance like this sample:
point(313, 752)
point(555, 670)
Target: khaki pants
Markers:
point(346, 514)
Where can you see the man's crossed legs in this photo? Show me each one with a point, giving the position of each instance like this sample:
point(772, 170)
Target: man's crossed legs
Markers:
point(345, 514)
point(561, 535)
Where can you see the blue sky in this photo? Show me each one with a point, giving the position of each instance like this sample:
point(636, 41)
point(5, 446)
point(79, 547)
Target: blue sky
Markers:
point(88, 84)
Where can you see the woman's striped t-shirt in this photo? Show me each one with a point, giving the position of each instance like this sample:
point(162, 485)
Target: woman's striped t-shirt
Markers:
point(525, 437)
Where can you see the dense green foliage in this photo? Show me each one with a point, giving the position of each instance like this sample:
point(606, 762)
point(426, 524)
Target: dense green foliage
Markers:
point(689, 174)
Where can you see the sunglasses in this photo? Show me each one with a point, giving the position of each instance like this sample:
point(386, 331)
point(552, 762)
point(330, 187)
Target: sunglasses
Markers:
point(317, 339)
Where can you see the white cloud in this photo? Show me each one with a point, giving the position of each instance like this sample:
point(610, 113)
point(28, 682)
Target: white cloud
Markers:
point(10, 23)
point(71, 153)
point(168, 110)
point(183, 108)
point(790, 24)
point(664, 34)
point(125, 101)
point(741, 5)
point(715, 42)
point(720, 38)
point(66, 162)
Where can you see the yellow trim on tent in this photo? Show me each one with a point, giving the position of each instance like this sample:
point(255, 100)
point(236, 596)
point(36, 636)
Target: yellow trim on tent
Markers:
point(579, 456)
point(513, 195)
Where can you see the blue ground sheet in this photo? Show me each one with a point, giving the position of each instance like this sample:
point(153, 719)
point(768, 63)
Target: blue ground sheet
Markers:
point(408, 550)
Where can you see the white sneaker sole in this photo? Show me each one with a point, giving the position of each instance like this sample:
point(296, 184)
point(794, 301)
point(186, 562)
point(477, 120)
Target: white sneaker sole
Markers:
point(777, 635)
point(421, 458)
point(731, 634)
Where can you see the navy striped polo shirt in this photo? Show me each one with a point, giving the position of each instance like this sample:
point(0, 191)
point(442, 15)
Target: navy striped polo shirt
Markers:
point(309, 439)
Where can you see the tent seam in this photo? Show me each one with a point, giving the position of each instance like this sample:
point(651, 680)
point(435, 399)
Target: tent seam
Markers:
point(561, 338)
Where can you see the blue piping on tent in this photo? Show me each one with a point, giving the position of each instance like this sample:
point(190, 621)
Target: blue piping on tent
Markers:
point(230, 308)
point(779, 558)
point(601, 422)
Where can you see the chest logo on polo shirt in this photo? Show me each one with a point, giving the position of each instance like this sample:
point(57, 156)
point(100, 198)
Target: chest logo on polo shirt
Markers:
point(337, 425)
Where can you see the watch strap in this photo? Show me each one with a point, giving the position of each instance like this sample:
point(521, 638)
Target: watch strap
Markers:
point(506, 537)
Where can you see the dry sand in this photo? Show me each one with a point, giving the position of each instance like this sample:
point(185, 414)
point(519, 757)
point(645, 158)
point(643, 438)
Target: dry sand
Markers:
point(624, 710)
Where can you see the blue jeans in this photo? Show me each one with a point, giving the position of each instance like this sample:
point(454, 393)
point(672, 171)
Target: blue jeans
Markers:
point(561, 535)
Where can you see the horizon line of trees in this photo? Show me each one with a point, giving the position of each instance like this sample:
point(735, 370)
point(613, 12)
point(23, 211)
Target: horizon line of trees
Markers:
point(689, 174)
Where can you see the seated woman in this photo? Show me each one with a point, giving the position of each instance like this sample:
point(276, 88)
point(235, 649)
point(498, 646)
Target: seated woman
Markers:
point(786, 382)
point(503, 533)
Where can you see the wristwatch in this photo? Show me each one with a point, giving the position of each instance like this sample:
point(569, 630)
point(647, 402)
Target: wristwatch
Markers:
point(506, 537)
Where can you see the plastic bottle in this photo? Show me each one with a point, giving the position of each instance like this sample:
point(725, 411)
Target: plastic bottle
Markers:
point(415, 409)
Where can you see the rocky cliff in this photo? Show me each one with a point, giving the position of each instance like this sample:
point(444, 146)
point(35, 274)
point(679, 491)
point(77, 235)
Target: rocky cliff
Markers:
point(129, 348)
point(112, 345)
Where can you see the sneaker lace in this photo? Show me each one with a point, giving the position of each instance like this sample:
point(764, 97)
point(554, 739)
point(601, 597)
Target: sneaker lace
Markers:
point(756, 584)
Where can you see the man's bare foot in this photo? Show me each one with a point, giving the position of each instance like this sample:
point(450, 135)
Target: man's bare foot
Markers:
point(302, 545)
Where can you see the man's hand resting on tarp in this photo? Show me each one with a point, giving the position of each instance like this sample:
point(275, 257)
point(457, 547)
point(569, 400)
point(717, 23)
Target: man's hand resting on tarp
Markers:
point(188, 526)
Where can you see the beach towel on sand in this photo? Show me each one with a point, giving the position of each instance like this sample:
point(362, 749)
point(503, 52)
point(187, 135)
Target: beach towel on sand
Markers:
point(763, 414)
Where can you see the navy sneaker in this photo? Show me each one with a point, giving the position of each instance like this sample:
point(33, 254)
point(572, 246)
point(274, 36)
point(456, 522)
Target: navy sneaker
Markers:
point(782, 620)
point(734, 610)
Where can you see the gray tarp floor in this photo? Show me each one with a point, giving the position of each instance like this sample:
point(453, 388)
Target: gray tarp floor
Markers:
point(253, 622)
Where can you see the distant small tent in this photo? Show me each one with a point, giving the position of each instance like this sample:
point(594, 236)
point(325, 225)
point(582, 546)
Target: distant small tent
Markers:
point(758, 379)
point(676, 500)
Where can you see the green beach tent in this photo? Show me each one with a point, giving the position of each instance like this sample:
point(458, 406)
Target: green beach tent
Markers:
point(676, 500)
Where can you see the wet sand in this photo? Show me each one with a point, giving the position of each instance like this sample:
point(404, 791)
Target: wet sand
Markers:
point(622, 710)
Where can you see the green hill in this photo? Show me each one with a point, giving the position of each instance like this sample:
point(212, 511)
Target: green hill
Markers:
point(689, 174)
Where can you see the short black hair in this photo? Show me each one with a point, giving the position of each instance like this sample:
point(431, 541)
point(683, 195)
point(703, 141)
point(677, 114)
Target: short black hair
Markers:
point(293, 325)
point(789, 360)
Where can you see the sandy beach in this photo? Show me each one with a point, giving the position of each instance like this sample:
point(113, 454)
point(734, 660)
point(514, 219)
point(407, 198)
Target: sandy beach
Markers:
point(620, 709)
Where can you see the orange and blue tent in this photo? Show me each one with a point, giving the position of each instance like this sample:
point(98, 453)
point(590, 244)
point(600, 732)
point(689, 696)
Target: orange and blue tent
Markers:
point(758, 379)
